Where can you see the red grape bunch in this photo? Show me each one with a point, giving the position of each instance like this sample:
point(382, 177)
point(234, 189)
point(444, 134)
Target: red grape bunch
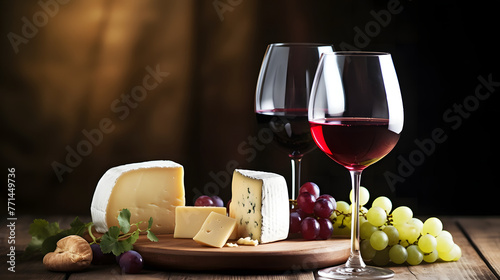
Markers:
point(311, 216)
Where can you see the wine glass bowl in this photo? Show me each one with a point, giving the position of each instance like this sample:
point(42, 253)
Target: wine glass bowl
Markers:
point(356, 117)
point(290, 129)
point(354, 143)
point(282, 98)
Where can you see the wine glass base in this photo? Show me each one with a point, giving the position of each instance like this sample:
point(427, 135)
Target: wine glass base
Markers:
point(343, 272)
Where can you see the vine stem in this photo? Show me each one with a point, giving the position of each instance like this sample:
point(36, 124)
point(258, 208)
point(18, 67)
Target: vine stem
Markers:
point(89, 229)
point(120, 237)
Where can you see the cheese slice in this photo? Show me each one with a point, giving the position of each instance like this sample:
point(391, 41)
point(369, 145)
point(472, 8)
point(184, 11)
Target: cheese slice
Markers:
point(147, 189)
point(234, 235)
point(215, 230)
point(189, 219)
point(260, 205)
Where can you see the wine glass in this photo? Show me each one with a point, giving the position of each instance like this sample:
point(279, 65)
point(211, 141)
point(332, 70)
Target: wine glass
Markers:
point(356, 116)
point(282, 98)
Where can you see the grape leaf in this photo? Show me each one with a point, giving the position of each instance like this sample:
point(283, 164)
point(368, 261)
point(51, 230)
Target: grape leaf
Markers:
point(44, 235)
point(152, 236)
point(111, 243)
point(133, 238)
point(115, 246)
point(40, 229)
point(113, 232)
point(77, 227)
point(124, 221)
point(150, 223)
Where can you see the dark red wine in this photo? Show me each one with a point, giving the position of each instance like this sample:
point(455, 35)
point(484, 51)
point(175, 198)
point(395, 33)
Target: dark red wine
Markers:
point(290, 129)
point(354, 142)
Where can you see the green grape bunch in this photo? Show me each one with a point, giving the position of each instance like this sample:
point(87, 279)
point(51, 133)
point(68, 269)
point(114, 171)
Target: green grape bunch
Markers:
point(395, 236)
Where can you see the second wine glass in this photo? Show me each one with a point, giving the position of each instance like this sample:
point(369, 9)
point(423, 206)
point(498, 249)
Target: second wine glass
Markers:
point(356, 117)
point(282, 98)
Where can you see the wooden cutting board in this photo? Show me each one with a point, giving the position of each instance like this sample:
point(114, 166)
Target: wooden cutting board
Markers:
point(289, 255)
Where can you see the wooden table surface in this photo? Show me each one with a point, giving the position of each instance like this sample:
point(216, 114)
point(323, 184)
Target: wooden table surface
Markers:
point(478, 237)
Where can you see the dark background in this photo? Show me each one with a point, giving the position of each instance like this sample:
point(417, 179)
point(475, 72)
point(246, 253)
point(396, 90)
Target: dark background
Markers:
point(84, 55)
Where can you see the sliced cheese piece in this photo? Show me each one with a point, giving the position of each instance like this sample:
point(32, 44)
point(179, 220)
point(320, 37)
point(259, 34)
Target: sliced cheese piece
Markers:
point(215, 230)
point(234, 235)
point(260, 205)
point(189, 219)
point(147, 189)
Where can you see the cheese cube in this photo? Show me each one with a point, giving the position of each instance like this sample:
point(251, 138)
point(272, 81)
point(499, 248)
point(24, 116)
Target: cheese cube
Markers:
point(215, 230)
point(147, 189)
point(260, 205)
point(189, 219)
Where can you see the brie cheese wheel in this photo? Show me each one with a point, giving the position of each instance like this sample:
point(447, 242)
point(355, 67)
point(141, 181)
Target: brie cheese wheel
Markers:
point(146, 189)
point(260, 205)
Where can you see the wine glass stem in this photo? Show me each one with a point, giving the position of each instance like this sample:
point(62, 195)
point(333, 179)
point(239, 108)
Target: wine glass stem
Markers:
point(355, 260)
point(296, 162)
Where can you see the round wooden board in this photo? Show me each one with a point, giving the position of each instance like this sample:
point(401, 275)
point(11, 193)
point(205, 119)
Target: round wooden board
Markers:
point(291, 255)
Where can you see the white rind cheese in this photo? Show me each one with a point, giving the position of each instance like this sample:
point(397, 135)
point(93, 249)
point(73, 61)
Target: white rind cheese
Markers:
point(260, 205)
point(147, 189)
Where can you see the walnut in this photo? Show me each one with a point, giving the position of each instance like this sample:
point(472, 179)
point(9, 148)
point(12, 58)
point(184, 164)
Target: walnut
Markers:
point(73, 253)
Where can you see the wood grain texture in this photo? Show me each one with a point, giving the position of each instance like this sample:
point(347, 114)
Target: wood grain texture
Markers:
point(33, 269)
point(113, 272)
point(484, 235)
point(288, 255)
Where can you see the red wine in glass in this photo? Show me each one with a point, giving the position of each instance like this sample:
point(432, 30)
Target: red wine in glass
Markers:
point(290, 129)
point(354, 143)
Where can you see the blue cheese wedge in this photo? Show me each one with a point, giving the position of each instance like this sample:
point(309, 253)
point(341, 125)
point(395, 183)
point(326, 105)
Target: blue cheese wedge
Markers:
point(260, 205)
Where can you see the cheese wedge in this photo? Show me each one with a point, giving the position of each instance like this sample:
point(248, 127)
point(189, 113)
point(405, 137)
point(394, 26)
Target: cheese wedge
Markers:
point(189, 219)
point(215, 230)
point(260, 205)
point(147, 189)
